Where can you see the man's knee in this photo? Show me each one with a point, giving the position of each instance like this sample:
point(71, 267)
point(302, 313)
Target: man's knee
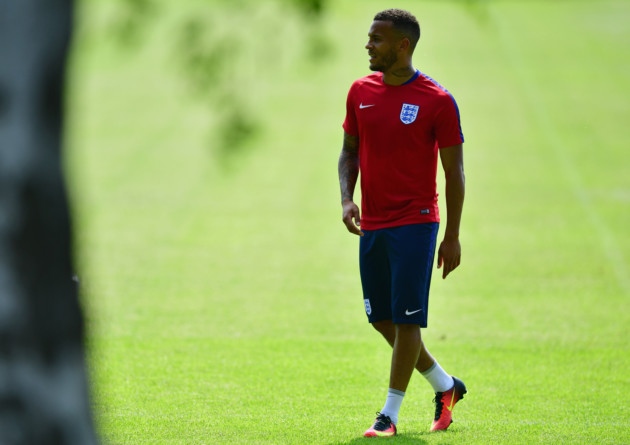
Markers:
point(407, 328)
point(384, 327)
point(387, 330)
point(410, 332)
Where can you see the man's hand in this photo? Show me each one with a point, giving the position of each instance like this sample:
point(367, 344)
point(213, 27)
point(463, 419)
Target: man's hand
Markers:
point(352, 217)
point(449, 255)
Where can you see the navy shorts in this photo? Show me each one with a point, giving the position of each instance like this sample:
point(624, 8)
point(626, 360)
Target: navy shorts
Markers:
point(396, 265)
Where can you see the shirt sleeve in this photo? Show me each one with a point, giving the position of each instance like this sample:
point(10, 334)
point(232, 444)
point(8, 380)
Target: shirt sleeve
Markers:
point(350, 125)
point(448, 128)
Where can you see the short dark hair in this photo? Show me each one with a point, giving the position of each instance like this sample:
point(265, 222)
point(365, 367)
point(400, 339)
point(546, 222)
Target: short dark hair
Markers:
point(404, 22)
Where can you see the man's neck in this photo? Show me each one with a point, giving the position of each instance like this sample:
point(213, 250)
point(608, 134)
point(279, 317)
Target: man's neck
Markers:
point(398, 76)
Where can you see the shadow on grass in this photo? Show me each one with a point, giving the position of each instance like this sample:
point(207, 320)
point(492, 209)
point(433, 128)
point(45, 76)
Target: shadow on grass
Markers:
point(399, 439)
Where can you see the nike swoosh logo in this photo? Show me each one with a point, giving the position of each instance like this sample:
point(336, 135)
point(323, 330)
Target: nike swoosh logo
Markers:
point(361, 106)
point(450, 407)
point(412, 312)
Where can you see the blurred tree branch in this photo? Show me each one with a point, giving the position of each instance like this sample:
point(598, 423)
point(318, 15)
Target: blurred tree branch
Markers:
point(209, 51)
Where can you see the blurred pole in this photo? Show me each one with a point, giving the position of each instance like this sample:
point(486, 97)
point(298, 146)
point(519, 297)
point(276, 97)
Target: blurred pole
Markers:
point(43, 385)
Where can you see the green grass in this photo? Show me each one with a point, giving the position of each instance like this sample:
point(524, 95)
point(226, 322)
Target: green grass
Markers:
point(226, 308)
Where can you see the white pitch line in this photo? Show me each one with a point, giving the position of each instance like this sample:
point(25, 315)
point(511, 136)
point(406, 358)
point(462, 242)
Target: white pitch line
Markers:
point(571, 173)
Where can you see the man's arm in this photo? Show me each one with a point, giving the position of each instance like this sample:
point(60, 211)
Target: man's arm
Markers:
point(348, 168)
point(449, 253)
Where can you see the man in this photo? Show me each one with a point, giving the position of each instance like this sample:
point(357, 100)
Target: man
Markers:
point(397, 121)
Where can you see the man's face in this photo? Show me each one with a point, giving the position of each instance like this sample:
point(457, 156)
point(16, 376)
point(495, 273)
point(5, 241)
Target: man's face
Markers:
point(382, 46)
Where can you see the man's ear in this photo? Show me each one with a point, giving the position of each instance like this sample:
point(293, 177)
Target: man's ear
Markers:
point(404, 44)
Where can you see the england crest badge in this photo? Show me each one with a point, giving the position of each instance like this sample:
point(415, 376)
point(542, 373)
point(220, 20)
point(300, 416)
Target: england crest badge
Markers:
point(409, 113)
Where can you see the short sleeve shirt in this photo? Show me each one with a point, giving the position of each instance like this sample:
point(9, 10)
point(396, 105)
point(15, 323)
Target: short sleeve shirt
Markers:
point(400, 130)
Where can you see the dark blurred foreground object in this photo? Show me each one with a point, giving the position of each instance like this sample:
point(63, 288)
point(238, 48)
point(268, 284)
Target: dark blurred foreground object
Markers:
point(43, 385)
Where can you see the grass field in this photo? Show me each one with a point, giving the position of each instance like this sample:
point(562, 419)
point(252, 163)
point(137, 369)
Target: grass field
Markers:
point(225, 308)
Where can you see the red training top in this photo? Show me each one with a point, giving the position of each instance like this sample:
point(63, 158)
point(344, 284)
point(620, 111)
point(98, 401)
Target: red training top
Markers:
point(400, 129)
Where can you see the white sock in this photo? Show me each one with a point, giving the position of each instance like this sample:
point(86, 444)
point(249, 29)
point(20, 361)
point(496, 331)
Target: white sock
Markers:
point(392, 404)
point(438, 378)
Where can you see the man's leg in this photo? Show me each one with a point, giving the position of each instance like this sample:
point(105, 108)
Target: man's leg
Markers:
point(425, 363)
point(406, 350)
point(406, 344)
point(448, 390)
point(388, 330)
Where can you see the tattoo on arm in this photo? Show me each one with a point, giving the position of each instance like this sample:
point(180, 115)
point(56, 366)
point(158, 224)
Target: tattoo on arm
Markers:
point(348, 166)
